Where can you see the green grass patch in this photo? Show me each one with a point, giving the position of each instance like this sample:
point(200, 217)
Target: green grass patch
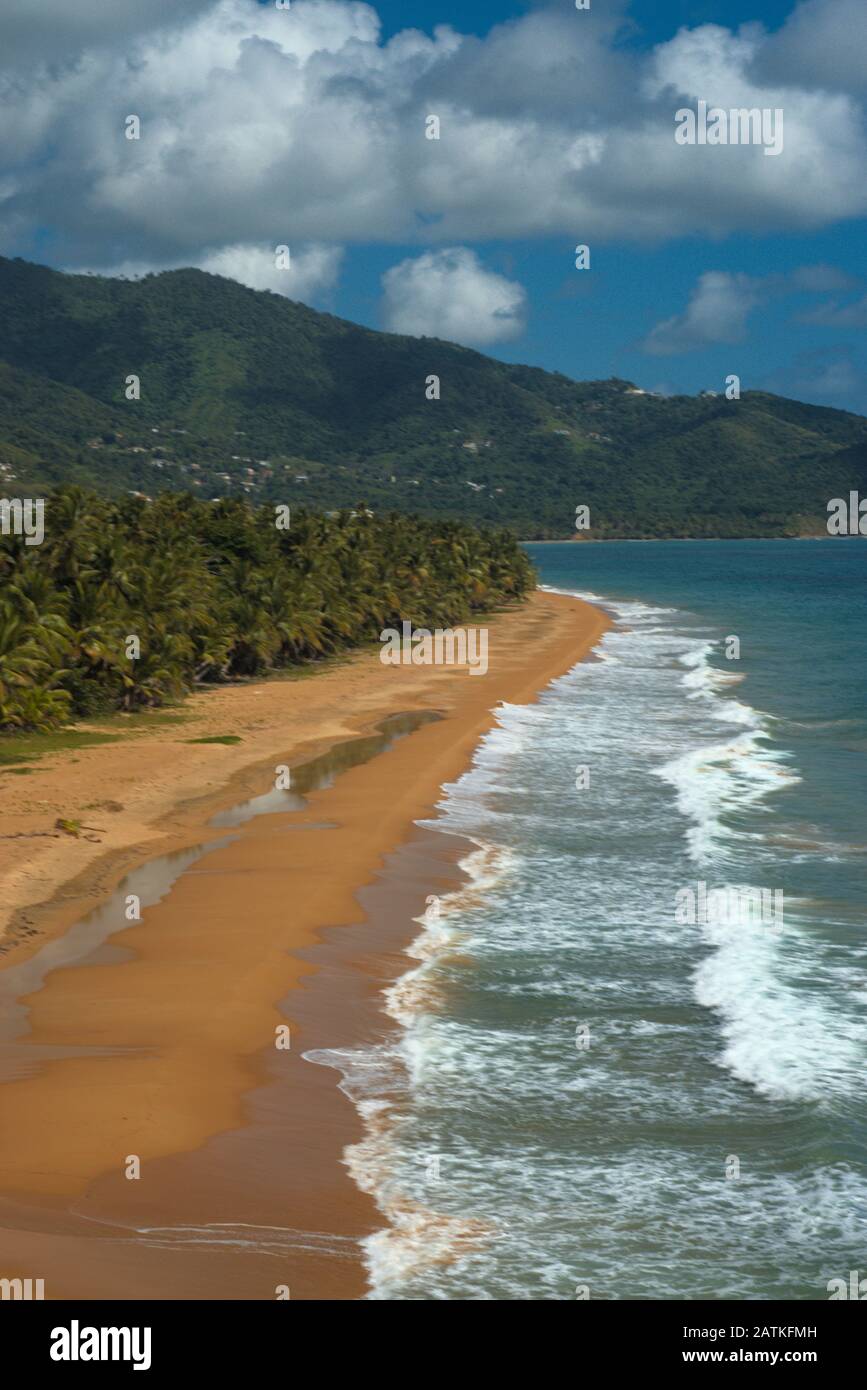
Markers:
point(23, 748)
point(215, 738)
point(111, 728)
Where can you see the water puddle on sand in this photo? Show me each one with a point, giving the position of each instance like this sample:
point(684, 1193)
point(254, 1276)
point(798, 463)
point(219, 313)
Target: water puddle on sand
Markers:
point(87, 942)
point(321, 772)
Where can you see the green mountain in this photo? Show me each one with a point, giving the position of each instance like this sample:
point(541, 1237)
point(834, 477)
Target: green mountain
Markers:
point(245, 391)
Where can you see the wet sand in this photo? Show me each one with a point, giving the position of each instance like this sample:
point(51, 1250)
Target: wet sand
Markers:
point(156, 1039)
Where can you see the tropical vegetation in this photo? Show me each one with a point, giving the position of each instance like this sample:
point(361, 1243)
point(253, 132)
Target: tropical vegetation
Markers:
point(129, 603)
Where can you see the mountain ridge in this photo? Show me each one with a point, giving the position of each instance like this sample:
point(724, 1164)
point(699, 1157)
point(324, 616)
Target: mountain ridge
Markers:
point(245, 391)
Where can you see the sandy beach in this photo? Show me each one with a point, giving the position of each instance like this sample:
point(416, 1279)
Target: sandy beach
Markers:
point(156, 1038)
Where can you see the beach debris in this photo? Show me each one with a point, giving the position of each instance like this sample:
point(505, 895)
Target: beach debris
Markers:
point(75, 827)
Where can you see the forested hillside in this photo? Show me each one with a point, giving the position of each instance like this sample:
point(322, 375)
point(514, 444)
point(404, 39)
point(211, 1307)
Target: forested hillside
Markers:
point(246, 392)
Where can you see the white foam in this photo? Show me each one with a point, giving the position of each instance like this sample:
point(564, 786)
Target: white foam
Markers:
point(719, 780)
point(653, 703)
point(779, 1033)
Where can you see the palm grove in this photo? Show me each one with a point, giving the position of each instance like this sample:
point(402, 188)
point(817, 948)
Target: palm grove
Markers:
point(215, 591)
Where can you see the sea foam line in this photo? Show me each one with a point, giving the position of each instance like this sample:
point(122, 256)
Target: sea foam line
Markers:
point(376, 1079)
point(779, 1035)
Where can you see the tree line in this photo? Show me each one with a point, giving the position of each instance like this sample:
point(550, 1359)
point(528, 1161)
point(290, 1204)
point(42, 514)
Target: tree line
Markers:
point(129, 604)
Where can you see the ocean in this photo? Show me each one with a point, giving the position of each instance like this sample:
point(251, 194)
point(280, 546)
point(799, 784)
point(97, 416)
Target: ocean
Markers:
point(611, 1079)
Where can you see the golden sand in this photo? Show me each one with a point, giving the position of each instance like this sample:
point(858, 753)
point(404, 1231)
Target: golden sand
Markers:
point(164, 1048)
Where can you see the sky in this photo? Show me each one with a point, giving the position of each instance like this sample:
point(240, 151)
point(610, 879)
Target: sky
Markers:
point(306, 126)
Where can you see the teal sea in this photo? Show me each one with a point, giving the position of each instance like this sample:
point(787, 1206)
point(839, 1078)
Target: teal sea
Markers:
point(587, 1094)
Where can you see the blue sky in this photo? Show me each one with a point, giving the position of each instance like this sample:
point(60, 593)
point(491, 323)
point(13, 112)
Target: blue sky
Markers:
point(654, 19)
point(593, 326)
point(557, 129)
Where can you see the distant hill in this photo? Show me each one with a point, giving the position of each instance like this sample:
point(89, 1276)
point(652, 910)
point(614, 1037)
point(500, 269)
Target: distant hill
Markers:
point(245, 391)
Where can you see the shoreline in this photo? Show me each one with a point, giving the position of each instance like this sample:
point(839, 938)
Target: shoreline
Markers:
point(661, 540)
point(160, 1043)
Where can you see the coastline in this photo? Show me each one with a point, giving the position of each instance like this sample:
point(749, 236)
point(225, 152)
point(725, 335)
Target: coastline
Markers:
point(661, 540)
point(160, 1044)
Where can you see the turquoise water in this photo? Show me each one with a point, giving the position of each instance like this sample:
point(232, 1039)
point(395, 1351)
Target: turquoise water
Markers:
point(590, 1093)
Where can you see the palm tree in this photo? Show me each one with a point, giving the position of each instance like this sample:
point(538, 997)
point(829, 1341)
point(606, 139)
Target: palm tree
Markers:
point(214, 590)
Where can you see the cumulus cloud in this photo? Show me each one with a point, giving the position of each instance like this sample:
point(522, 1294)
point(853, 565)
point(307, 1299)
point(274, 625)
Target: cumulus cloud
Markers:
point(59, 30)
point(822, 44)
point(450, 294)
point(306, 274)
point(262, 125)
point(716, 313)
point(822, 138)
point(309, 273)
point(721, 302)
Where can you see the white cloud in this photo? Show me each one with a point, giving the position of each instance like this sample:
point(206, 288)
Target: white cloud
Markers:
point(262, 125)
point(721, 302)
point(717, 313)
point(822, 44)
point(60, 29)
point(450, 294)
point(823, 141)
point(312, 270)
